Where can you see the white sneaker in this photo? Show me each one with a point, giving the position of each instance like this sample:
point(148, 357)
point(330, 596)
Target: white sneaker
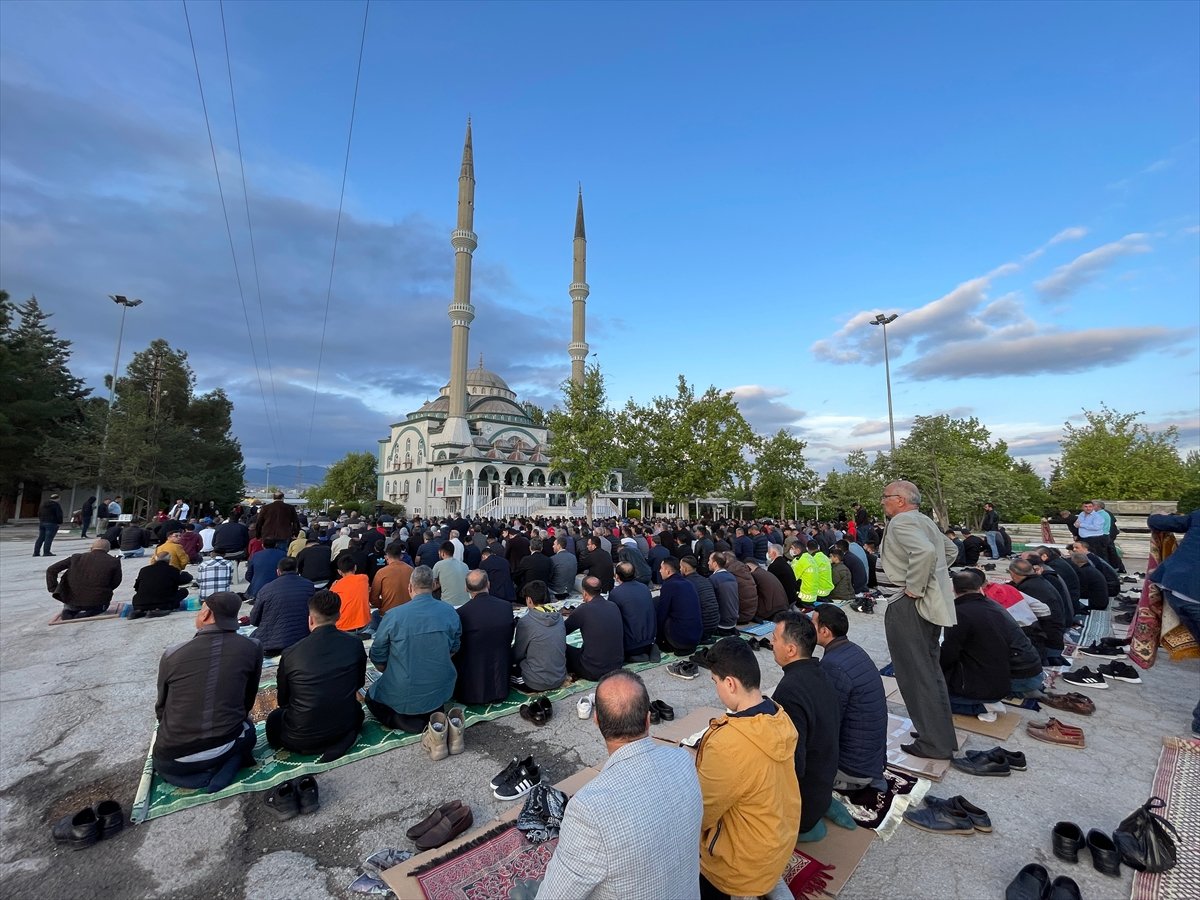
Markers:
point(583, 708)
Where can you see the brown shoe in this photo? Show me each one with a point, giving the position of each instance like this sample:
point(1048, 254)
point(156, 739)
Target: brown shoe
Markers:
point(1072, 702)
point(446, 828)
point(1053, 733)
point(1062, 726)
point(457, 721)
point(430, 820)
point(434, 738)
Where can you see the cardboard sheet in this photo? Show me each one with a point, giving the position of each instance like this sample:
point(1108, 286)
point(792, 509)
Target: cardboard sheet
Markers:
point(899, 729)
point(1002, 729)
point(843, 850)
point(696, 720)
point(891, 690)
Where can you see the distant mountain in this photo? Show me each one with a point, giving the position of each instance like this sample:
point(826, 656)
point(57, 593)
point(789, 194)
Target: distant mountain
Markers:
point(285, 477)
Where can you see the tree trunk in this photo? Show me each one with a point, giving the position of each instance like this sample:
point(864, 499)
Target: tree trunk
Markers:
point(590, 508)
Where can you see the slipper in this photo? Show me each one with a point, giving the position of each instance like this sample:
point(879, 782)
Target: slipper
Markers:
point(665, 712)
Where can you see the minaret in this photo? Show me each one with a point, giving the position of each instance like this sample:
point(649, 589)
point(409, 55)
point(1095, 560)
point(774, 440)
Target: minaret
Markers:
point(578, 347)
point(456, 431)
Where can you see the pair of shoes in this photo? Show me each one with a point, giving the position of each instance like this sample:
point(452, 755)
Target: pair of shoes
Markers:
point(685, 669)
point(445, 823)
point(94, 823)
point(1120, 671)
point(1102, 650)
point(1067, 840)
point(760, 643)
point(1055, 732)
point(1086, 678)
point(661, 712)
point(914, 750)
point(960, 806)
point(979, 763)
point(1033, 883)
point(295, 797)
point(539, 711)
point(1124, 618)
point(584, 706)
point(698, 659)
point(443, 736)
point(516, 779)
point(939, 820)
point(1073, 701)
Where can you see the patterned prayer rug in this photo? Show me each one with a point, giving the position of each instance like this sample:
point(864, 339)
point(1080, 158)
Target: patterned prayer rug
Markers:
point(805, 876)
point(499, 866)
point(1177, 781)
point(115, 610)
point(884, 810)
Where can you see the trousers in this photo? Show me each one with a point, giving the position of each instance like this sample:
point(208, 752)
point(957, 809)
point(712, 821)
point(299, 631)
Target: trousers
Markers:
point(913, 642)
point(389, 718)
point(211, 774)
point(46, 534)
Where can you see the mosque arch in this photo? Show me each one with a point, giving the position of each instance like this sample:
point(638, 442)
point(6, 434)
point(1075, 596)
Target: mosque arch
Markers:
point(514, 477)
point(537, 478)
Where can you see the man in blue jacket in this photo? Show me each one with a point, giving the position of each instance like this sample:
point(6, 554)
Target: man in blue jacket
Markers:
point(1179, 576)
point(677, 609)
point(280, 615)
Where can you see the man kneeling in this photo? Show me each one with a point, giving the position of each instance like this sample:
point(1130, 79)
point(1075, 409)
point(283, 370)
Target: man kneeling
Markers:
point(318, 679)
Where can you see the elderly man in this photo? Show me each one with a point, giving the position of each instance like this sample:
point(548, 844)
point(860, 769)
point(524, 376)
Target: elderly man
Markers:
point(599, 622)
point(916, 556)
point(159, 588)
point(87, 581)
point(277, 520)
point(602, 850)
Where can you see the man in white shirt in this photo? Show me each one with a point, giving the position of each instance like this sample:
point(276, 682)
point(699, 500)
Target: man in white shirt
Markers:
point(450, 577)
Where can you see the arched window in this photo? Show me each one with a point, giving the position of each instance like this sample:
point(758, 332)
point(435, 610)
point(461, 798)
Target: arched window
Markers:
point(387, 487)
point(406, 485)
point(408, 444)
point(418, 485)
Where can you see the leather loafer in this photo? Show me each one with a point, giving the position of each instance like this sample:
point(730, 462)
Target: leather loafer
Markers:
point(655, 718)
point(283, 801)
point(1066, 839)
point(308, 795)
point(960, 806)
point(916, 750)
point(428, 822)
point(1063, 888)
point(543, 703)
point(981, 765)
point(110, 818)
point(1031, 883)
point(665, 712)
point(78, 831)
point(446, 828)
point(1105, 856)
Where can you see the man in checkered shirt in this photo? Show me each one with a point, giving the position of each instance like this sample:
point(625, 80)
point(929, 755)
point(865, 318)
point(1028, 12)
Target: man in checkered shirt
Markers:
point(215, 575)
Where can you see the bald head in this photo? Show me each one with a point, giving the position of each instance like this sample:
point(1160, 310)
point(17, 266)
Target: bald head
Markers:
point(101, 544)
point(622, 707)
point(1019, 569)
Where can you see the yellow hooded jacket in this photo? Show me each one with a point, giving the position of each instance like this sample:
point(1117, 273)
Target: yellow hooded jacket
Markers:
point(747, 771)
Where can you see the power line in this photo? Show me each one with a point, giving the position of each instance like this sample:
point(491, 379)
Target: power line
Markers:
point(249, 225)
point(228, 229)
point(338, 228)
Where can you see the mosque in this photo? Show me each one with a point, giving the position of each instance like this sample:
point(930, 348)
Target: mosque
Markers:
point(475, 450)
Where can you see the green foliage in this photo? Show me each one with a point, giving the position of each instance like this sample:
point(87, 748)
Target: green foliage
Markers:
point(1113, 456)
point(349, 480)
point(583, 436)
point(859, 483)
point(686, 447)
point(782, 475)
point(634, 513)
point(536, 413)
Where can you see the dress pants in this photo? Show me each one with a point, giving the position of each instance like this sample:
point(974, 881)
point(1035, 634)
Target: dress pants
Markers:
point(913, 642)
point(576, 666)
point(389, 718)
point(211, 775)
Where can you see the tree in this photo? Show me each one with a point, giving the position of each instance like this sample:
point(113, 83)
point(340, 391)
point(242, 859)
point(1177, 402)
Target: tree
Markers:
point(1112, 456)
point(687, 447)
point(535, 413)
point(860, 483)
point(583, 436)
point(349, 480)
point(782, 475)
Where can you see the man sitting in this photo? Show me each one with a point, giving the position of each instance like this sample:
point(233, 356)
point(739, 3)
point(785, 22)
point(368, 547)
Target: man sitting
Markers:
point(856, 562)
point(710, 614)
point(173, 545)
point(159, 588)
point(725, 586)
point(539, 649)
point(608, 826)
point(318, 681)
point(811, 703)
point(771, 596)
point(354, 591)
point(498, 573)
point(215, 575)
point(450, 577)
point(843, 583)
point(206, 532)
point(599, 622)
point(1025, 578)
point(972, 546)
point(974, 655)
point(564, 566)
point(746, 766)
point(191, 542)
point(413, 649)
point(280, 614)
point(1024, 656)
point(597, 562)
point(534, 566)
point(315, 562)
point(263, 567)
point(232, 538)
point(390, 586)
point(779, 567)
point(959, 559)
point(639, 625)
point(484, 655)
point(862, 703)
point(206, 689)
point(747, 590)
point(134, 540)
point(677, 611)
point(87, 583)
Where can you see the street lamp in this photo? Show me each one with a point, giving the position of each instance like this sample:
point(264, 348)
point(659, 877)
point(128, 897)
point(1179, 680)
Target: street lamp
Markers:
point(126, 304)
point(883, 320)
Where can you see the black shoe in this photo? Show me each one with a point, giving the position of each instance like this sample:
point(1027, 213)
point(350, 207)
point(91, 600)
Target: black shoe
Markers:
point(308, 795)
point(939, 820)
point(1121, 671)
point(78, 831)
point(504, 774)
point(1063, 888)
point(655, 718)
point(1086, 678)
point(1105, 856)
point(283, 801)
point(110, 818)
point(47, 554)
point(981, 765)
point(914, 750)
point(1065, 840)
point(543, 703)
point(1031, 883)
point(1015, 759)
point(531, 712)
point(960, 806)
point(1123, 618)
point(1104, 651)
point(519, 783)
point(137, 614)
point(665, 712)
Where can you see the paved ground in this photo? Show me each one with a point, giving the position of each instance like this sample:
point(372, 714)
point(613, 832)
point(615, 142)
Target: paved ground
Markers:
point(76, 710)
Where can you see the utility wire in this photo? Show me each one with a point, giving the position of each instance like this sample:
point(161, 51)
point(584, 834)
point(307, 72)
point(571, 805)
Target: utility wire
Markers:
point(229, 230)
point(249, 225)
point(338, 228)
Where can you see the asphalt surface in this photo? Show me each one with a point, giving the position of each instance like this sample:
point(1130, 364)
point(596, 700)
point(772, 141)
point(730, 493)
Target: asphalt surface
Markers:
point(77, 709)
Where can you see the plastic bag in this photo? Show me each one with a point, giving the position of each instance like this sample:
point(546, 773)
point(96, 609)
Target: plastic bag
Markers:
point(542, 813)
point(1144, 839)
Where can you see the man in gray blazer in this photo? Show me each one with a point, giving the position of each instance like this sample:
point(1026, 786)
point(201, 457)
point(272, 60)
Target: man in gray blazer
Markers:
point(916, 556)
point(613, 845)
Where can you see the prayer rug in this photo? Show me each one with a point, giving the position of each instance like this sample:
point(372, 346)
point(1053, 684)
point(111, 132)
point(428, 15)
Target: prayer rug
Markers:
point(805, 876)
point(762, 629)
point(883, 811)
point(497, 866)
point(115, 610)
point(1177, 781)
point(156, 798)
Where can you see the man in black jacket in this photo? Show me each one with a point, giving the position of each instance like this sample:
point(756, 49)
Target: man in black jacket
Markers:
point(206, 689)
point(159, 588)
point(1024, 578)
point(499, 574)
point(484, 658)
point(599, 622)
point(133, 540)
point(50, 516)
point(1053, 559)
point(599, 563)
point(1093, 590)
point(975, 650)
point(319, 677)
point(536, 566)
point(87, 582)
point(990, 526)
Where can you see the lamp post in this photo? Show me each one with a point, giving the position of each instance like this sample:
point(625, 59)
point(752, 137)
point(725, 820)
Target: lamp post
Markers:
point(883, 320)
point(126, 304)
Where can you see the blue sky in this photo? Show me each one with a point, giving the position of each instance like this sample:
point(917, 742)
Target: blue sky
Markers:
point(1021, 182)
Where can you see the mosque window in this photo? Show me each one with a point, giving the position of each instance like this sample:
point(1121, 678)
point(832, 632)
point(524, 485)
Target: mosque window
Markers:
point(418, 485)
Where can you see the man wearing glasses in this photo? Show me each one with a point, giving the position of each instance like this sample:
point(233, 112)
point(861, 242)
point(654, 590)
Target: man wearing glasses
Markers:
point(916, 555)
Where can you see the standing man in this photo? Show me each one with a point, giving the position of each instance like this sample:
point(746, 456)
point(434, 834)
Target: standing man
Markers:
point(608, 825)
point(1093, 526)
point(50, 516)
point(277, 520)
point(990, 526)
point(916, 556)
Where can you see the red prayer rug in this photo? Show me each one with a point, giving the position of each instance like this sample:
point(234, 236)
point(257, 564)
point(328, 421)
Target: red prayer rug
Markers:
point(805, 876)
point(502, 866)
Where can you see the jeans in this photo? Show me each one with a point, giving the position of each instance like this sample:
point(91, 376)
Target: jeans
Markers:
point(1022, 687)
point(993, 546)
point(46, 533)
point(83, 526)
point(964, 706)
point(134, 554)
point(1189, 614)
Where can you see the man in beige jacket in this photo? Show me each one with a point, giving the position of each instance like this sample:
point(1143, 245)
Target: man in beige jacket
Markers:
point(916, 557)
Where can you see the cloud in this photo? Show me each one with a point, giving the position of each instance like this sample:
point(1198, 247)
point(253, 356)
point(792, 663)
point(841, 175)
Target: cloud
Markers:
point(1073, 233)
point(1066, 280)
point(761, 407)
point(880, 426)
point(1060, 353)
